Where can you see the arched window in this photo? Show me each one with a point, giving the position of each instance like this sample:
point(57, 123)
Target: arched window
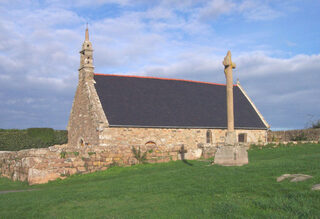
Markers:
point(150, 143)
point(209, 137)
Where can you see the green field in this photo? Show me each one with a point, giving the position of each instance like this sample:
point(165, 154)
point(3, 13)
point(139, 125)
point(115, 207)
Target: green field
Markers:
point(192, 189)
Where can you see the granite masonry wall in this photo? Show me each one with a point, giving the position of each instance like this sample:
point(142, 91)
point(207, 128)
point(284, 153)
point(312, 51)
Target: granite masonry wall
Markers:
point(86, 117)
point(81, 119)
point(190, 138)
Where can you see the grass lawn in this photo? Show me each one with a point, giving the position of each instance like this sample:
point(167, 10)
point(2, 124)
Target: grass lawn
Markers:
point(178, 190)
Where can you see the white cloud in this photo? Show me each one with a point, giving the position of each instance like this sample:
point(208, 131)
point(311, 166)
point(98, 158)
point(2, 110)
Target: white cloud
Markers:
point(215, 8)
point(257, 64)
point(258, 10)
point(159, 13)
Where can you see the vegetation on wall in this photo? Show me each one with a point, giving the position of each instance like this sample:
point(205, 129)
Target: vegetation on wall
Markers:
point(18, 139)
point(141, 157)
point(300, 137)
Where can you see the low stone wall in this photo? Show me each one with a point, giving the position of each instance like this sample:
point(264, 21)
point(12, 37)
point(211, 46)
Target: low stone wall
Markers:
point(42, 165)
point(294, 135)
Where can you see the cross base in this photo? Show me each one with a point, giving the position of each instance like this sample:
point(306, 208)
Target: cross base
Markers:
point(231, 156)
point(231, 138)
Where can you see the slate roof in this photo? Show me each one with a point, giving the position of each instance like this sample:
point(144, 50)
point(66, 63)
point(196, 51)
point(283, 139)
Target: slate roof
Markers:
point(133, 101)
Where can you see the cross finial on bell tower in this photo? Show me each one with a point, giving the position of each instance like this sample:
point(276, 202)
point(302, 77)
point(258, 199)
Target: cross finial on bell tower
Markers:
point(87, 33)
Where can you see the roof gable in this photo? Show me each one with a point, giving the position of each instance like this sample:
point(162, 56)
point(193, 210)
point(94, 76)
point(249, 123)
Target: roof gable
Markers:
point(155, 102)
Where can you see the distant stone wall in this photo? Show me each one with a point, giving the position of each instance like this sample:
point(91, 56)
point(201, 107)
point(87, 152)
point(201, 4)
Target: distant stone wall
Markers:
point(294, 135)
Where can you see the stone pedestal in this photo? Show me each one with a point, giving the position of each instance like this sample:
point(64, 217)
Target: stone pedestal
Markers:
point(231, 155)
point(231, 138)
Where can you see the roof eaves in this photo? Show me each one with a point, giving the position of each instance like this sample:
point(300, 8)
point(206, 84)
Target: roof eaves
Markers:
point(254, 106)
point(168, 79)
point(183, 127)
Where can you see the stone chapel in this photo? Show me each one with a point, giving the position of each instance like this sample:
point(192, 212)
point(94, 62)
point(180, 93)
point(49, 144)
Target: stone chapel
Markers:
point(111, 110)
point(113, 116)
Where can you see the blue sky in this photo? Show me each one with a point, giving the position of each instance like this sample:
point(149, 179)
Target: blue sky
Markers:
point(275, 44)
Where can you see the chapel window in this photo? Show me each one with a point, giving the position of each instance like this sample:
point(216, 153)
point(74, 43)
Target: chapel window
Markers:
point(209, 137)
point(242, 137)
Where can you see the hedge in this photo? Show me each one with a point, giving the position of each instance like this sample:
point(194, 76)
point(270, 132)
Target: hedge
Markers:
point(18, 139)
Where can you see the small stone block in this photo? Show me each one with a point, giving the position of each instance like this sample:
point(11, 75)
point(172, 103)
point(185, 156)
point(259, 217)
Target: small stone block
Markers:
point(316, 187)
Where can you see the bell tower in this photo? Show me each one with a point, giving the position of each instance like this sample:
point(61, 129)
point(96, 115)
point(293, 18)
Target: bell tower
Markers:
point(86, 60)
point(87, 118)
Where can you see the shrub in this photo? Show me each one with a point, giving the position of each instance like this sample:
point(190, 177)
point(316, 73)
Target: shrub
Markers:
point(45, 134)
point(142, 158)
point(274, 138)
point(60, 137)
point(76, 153)
point(316, 124)
point(63, 154)
point(113, 164)
point(15, 139)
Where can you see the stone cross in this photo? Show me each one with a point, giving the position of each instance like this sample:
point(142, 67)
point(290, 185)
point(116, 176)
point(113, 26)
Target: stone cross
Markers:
point(231, 153)
point(182, 151)
point(228, 66)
